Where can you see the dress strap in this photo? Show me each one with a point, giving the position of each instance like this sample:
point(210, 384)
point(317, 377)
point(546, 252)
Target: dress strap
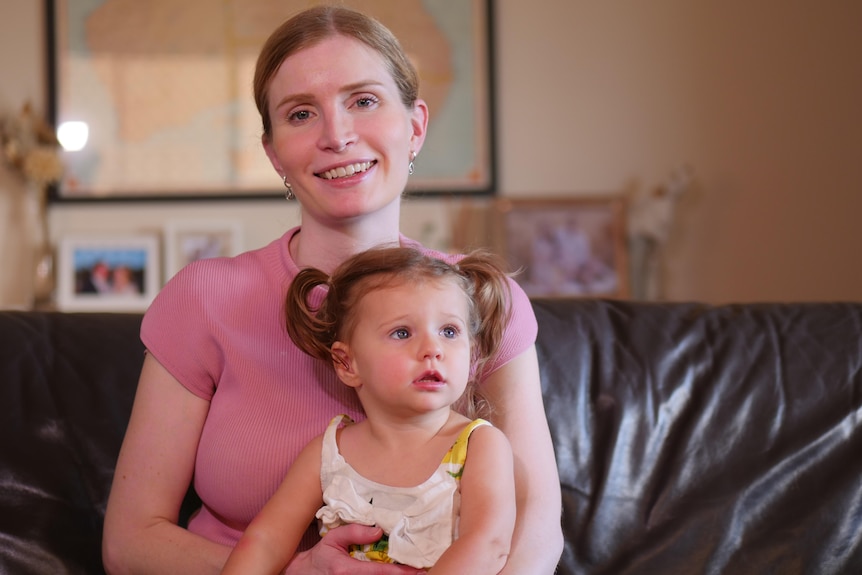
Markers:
point(336, 422)
point(330, 446)
point(457, 454)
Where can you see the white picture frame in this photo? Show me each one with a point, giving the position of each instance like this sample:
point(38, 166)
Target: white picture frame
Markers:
point(118, 273)
point(190, 240)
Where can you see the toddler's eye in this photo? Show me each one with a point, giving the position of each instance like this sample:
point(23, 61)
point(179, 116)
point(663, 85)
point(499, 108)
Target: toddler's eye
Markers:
point(400, 334)
point(449, 332)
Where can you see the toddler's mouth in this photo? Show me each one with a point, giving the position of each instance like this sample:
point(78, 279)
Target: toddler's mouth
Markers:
point(430, 376)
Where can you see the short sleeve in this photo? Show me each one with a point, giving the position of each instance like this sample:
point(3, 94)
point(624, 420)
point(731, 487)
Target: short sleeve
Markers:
point(521, 331)
point(176, 330)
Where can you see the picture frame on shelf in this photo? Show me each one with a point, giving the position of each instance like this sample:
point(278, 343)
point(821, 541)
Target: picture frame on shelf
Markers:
point(191, 240)
point(168, 111)
point(118, 273)
point(566, 246)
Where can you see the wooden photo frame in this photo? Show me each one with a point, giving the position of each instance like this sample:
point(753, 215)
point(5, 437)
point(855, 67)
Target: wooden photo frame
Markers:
point(565, 247)
point(164, 92)
point(191, 240)
point(108, 273)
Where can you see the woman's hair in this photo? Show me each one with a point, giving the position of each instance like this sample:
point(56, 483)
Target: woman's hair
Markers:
point(479, 274)
point(319, 23)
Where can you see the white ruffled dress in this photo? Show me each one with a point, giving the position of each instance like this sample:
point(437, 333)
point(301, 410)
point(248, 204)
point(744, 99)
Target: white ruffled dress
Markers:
point(421, 522)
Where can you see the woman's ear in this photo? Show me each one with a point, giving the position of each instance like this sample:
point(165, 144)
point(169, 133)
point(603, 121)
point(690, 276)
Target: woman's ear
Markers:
point(343, 364)
point(266, 141)
point(419, 125)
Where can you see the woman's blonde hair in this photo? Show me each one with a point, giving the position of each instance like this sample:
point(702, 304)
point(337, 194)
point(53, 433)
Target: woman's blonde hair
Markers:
point(316, 24)
point(479, 274)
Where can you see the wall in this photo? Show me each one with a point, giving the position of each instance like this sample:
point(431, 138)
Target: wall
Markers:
point(761, 99)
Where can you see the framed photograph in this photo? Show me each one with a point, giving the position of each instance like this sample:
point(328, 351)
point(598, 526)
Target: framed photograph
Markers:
point(190, 240)
point(107, 273)
point(161, 90)
point(565, 247)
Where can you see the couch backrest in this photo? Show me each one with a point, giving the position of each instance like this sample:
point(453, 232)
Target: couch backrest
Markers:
point(67, 382)
point(689, 439)
point(696, 439)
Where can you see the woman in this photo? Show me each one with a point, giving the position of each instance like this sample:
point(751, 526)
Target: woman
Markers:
point(226, 398)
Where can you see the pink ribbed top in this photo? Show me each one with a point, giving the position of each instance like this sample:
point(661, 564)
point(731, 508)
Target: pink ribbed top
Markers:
point(218, 327)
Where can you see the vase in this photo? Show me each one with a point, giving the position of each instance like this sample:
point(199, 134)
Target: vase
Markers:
point(26, 257)
point(41, 270)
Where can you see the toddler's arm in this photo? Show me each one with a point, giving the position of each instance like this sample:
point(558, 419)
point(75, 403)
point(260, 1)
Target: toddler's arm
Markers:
point(487, 507)
point(270, 541)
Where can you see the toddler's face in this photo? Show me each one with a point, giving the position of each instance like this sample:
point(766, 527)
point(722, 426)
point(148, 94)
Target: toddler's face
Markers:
point(409, 352)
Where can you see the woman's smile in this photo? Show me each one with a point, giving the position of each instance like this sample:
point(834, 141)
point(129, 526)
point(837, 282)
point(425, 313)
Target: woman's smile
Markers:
point(346, 171)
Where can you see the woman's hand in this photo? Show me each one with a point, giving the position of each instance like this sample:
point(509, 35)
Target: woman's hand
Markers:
point(330, 555)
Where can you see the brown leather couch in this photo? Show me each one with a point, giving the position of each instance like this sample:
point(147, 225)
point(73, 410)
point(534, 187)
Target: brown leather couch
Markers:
point(690, 439)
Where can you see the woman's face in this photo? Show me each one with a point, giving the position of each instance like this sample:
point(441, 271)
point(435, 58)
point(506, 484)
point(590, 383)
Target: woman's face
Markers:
point(340, 133)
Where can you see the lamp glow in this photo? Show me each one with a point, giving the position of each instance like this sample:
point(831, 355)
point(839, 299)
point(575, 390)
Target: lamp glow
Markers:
point(73, 135)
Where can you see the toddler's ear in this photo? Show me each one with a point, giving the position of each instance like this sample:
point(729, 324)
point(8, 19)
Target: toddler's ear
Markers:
point(343, 364)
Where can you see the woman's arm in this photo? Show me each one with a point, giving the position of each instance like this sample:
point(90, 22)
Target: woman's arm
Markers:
point(515, 392)
point(152, 476)
point(487, 515)
point(151, 479)
point(271, 539)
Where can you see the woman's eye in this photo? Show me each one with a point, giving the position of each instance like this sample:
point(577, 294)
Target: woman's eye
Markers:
point(366, 102)
point(299, 116)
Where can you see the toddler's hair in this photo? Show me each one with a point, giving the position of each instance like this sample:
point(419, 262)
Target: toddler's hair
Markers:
point(480, 274)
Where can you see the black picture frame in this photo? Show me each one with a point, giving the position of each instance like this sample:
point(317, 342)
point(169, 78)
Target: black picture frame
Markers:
point(458, 158)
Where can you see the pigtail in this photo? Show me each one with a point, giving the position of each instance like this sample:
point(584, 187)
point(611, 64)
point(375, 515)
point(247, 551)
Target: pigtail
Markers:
point(310, 330)
point(492, 295)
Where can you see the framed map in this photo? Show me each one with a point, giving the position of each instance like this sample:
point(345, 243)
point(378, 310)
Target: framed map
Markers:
point(164, 90)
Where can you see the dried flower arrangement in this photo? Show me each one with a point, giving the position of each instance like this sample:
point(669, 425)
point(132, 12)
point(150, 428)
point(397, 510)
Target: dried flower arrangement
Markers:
point(30, 147)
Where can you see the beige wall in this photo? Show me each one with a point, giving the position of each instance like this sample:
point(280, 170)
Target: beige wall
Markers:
point(760, 98)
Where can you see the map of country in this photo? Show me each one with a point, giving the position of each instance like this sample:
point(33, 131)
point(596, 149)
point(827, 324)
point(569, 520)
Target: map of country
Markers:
point(166, 87)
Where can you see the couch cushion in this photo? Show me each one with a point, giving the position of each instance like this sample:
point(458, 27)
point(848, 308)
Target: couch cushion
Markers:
point(696, 439)
point(67, 382)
